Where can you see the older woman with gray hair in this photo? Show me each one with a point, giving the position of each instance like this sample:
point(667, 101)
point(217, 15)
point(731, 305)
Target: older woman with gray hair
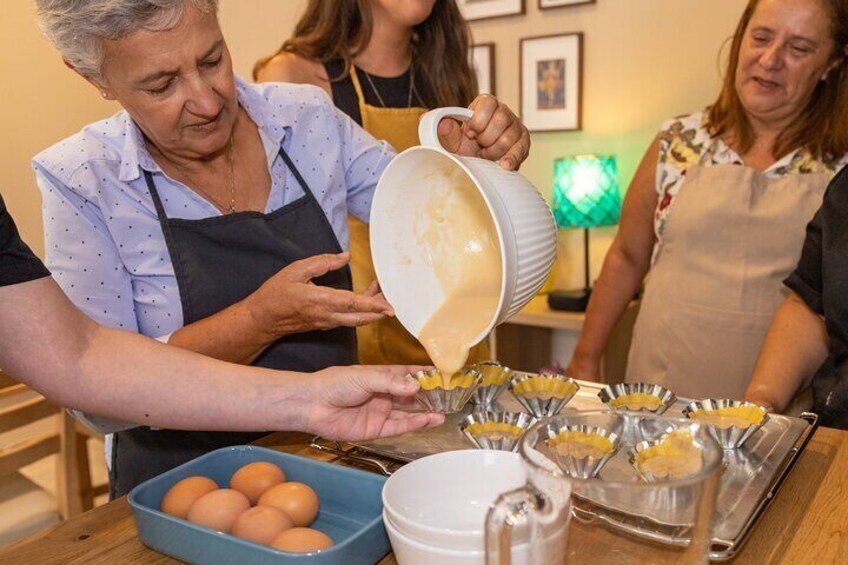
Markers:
point(211, 213)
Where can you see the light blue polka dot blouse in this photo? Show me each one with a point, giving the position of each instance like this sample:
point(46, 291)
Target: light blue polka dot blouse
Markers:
point(104, 244)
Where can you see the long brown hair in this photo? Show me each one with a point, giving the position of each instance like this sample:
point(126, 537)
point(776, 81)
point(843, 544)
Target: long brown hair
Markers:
point(341, 29)
point(822, 128)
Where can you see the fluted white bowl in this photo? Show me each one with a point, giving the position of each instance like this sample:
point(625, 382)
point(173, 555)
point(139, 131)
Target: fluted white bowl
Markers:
point(525, 228)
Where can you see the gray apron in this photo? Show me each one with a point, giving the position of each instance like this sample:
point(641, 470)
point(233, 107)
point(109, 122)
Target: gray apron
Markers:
point(219, 261)
point(732, 238)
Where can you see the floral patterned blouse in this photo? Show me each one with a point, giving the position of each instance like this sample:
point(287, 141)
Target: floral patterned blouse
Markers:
point(685, 142)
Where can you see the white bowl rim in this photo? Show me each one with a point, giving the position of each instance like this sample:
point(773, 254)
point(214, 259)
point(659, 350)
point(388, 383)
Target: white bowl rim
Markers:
point(459, 453)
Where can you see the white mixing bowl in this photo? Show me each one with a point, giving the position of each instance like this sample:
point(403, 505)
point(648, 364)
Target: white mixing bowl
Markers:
point(442, 500)
point(525, 228)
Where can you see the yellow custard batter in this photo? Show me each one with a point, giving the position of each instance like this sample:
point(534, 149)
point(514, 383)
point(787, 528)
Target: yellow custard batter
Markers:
point(739, 416)
point(436, 380)
point(581, 444)
point(458, 240)
point(493, 430)
point(544, 388)
point(493, 374)
point(676, 456)
point(637, 401)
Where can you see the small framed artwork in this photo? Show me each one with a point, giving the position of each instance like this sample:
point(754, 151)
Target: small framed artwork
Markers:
point(483, 65)
point(486, 9)
point(551, 75)
point(548, 4)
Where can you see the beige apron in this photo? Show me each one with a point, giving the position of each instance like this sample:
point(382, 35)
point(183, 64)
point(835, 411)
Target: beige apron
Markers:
point(386, 341)
point(733, 236)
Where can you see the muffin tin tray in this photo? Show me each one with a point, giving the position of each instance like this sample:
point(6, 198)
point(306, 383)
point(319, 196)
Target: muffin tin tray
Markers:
point(752, 475)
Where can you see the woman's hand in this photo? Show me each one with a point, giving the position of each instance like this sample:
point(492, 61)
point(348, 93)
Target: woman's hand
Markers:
point(290, 303)
point(493, 132)
point(361, 402)
point(584, 368)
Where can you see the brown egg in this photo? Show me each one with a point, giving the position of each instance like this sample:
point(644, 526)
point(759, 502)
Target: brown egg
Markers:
point(261, 524)
point(180, 497)
point(217, 510)
point(297, 500)
point(302, 540)
point(254, 479)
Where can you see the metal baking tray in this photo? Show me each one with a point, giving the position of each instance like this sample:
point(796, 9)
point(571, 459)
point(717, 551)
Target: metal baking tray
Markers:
point(751, 478)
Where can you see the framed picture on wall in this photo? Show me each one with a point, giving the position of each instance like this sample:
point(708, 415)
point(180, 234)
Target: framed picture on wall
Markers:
point(551, 75)
point(547, 4)
point(485, 9)
point(483, 64)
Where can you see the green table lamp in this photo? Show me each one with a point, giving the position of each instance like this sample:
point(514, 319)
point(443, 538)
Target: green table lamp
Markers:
point(585, 196)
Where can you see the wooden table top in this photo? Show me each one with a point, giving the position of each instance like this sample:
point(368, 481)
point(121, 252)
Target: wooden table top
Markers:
point(806, 523)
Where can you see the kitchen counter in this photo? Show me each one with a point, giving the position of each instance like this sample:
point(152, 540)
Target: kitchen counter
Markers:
point(806, 523)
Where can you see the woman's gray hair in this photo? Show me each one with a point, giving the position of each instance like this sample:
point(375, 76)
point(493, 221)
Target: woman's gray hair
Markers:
point(77, 27)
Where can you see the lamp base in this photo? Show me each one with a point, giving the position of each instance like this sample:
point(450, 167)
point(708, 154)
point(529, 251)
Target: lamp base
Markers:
point(569, 300)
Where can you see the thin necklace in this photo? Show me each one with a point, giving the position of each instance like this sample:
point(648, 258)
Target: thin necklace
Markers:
point(232, 175)
point(411, 87)
point(231, 209)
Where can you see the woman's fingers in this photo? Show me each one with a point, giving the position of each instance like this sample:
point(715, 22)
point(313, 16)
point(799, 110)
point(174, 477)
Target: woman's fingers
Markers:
point(345, 301)
point(307, 269)
point(492, 132)
point(408, 422)
point(353, 320)
point(373, 289)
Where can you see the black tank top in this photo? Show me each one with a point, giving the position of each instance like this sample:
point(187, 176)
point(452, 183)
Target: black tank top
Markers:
point(393, 90)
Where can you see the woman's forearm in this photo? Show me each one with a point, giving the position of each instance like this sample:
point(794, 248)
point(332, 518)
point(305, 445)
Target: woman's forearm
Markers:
point(51, 346)
point(795, 347)
point(233, 335)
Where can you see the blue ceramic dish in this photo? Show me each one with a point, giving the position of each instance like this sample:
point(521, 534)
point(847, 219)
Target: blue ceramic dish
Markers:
point(350, 512)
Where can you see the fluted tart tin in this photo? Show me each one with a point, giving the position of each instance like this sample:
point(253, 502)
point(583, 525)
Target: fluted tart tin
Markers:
point(730, 422)
point(435, 396)
point(496, 378)
point(676, 455)
point(637, 397)
point(495, 430)
point(581, 450)
point(543, 394)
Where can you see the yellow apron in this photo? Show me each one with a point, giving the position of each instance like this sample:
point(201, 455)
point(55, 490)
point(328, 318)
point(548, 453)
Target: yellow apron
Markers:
point(386, 341)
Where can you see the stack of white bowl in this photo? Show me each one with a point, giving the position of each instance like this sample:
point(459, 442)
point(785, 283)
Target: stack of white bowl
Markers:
point(435, 508)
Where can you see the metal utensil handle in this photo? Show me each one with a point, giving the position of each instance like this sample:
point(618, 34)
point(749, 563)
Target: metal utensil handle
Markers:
point(511, 509)
point(731, 550)
point(428, 127)
point(348, 455)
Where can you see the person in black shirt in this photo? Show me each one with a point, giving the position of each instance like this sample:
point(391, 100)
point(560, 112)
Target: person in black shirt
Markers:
point(807, 343)
point(46, 343)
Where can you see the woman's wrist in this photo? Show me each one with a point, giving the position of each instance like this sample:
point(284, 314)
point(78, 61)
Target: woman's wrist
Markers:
point(762, 397)
point(284, 401)
point(257, 320)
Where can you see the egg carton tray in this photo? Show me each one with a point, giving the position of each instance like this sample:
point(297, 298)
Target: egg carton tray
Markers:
point(751, 477)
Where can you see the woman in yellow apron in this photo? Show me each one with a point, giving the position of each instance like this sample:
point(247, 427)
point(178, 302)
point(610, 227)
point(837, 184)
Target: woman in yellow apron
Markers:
point(384, 66)
point(718, 207)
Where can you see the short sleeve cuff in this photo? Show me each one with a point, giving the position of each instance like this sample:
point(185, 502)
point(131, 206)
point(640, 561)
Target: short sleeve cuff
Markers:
point(22, 272)
point(808, 294)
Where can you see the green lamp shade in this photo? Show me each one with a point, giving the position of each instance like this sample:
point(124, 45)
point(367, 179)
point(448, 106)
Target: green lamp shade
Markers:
point(586, 192)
